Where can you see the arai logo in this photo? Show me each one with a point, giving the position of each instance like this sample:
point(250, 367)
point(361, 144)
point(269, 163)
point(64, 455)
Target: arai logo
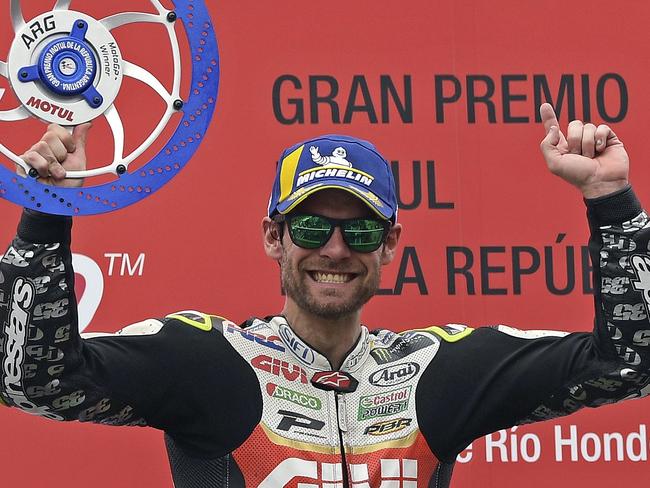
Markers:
point(395, 374)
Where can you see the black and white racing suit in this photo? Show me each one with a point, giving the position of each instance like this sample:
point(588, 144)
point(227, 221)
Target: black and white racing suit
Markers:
point(256, 406)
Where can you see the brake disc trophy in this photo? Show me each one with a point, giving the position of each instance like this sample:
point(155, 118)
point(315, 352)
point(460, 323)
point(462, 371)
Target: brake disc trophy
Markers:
point(65, 67)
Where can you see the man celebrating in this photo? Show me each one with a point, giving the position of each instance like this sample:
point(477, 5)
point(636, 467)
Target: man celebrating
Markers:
point(311, 397)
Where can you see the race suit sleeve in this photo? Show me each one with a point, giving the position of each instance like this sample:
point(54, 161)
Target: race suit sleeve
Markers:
point(496, 377)
point(169, 375)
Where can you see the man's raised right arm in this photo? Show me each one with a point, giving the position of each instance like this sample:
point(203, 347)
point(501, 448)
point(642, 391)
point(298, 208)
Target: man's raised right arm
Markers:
point(162, 373)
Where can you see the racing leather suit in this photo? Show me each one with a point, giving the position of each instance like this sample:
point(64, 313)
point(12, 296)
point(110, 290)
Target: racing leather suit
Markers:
point(256, 406)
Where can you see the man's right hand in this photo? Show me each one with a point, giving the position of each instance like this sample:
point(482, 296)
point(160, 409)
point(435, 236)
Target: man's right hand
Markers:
point(58, 151)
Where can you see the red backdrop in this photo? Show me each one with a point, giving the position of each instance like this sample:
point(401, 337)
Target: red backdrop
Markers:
point(448, 90)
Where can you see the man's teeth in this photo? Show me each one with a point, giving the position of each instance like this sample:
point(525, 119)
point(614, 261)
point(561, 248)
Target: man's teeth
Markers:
point(332, 277)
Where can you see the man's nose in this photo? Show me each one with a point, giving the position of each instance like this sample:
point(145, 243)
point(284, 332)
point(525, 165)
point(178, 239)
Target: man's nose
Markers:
point(336, 248)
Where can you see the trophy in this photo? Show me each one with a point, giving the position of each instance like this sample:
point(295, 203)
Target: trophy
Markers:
point(66, 67)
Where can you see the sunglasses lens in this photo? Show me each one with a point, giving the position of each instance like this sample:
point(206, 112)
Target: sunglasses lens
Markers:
point(309, 231)
point(364, 235)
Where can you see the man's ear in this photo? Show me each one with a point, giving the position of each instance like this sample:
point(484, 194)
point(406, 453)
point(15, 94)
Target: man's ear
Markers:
point(390, 244)
point(271, 238)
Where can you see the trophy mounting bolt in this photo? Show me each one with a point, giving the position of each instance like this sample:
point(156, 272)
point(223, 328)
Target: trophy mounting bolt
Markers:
point(33, 173)
point(121, 169)
point(171, 16)
point(178, 104)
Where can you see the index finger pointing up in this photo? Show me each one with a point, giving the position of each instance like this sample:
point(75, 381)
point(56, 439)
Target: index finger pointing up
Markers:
point(548, 116)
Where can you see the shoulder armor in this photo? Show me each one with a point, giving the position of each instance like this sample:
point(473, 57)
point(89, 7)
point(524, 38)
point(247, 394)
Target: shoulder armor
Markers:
point(200, 320)
point(530, 334)
point(450, 332)
point(146, 327)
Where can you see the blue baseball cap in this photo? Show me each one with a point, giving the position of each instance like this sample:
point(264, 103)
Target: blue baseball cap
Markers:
point(334, 161)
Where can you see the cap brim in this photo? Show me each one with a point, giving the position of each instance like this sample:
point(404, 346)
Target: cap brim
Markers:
point(376, 204)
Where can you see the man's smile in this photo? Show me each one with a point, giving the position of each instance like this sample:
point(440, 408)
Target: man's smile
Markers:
point(331, 277)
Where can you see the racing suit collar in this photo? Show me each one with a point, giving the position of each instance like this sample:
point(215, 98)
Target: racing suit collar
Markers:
point(310, 357)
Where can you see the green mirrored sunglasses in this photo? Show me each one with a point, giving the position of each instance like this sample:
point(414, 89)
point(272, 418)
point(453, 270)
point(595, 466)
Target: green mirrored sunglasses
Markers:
point(313, 231)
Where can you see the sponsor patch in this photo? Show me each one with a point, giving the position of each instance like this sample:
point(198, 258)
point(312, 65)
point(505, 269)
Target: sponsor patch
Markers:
point(384, 404)
point(291, 372)
point(302, 351)
point(395, 374)
point(388, 426)
point(277, 391)
point(339, 381)
point(393, 473)
point(297, 420)
point(407, 343)
point(272, 341)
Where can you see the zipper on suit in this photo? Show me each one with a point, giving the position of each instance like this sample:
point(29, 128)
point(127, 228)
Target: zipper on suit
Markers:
point(342, 423)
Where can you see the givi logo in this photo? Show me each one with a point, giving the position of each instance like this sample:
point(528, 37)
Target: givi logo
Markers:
point(91, 294)
point(394, 473)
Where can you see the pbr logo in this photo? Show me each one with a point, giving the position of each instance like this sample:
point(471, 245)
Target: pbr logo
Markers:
point(338, 381)
point(388, 426)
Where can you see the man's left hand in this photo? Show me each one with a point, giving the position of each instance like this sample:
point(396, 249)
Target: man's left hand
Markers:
point(590, 158)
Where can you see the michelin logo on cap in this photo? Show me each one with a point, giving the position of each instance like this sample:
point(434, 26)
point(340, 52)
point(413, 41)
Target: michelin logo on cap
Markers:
point(337, 158)
point(334, 161)
point(333, 164)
